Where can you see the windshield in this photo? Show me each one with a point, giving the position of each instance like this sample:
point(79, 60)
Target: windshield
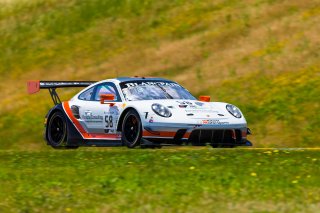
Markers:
point(154, 90)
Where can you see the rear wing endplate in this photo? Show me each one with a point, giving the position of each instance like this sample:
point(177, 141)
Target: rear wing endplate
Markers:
point(35, 86)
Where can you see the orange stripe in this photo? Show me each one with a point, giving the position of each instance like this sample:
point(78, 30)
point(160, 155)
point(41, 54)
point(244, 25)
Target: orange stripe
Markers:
point(73, 119)
point(165, 134)
point(187, 135)
point(101, 135)
point(82, 131)
point(161, 134)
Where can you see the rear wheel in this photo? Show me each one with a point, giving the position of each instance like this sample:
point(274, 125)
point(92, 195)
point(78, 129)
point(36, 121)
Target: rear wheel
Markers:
point(131, 129)
point(57, 132)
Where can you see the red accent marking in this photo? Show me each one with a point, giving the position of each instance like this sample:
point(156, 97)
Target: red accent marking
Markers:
point(33, 86)
point(186, 135)
point(204, 98)
point(106, 97)
point(205, 121)
point(82, 131)
point(162, 134)
point(233, 134)
point(244, 134)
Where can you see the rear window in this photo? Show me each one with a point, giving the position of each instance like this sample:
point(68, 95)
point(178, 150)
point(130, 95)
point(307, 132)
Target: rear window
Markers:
point(86, 95)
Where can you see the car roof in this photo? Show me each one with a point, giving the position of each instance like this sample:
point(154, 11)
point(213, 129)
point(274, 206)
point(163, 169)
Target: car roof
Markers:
point(127, 79)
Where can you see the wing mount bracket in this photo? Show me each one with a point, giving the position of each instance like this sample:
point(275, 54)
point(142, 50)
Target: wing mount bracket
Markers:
point(54, 95)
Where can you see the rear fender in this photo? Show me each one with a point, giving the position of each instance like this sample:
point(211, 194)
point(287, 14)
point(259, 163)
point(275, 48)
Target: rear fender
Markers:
point(73, 136)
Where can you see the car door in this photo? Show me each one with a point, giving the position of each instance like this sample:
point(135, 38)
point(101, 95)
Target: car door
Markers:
point(88, 118)
point(101, 118)
point(109, 112)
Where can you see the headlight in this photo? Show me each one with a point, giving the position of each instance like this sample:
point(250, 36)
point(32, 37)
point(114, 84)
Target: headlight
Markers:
point(233, 110)
point(161, 110)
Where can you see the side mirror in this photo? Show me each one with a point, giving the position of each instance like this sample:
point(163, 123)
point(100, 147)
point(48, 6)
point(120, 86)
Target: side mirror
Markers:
point(204, 98)
point(107, 98)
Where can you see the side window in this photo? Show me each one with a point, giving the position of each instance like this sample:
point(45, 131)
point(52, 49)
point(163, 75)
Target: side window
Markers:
point(106, 88)
point(86, 95)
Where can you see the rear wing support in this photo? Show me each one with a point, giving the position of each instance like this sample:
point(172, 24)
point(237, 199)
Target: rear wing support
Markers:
point(54, 95)
point(35, 86)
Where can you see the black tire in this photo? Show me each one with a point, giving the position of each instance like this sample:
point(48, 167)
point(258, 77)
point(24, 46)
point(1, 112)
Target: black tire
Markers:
point(57, 131)
point(131, 131)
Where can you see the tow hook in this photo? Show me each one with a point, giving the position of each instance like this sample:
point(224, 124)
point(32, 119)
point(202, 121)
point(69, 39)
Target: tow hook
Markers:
point(249, 131)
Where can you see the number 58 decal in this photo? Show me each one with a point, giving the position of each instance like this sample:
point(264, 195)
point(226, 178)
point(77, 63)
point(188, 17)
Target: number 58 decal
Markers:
point(109, 121)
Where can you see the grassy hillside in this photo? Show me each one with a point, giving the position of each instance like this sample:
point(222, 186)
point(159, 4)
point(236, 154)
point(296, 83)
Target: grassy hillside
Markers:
point(262, 55)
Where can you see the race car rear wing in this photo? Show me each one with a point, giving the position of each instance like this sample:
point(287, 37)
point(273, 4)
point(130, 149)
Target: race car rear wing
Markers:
point(35, 86)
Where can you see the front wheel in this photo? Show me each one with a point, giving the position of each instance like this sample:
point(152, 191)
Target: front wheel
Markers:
point(131, 129)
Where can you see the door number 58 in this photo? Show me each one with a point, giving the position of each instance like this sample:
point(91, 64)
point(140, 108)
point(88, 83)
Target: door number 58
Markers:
point(109, 121)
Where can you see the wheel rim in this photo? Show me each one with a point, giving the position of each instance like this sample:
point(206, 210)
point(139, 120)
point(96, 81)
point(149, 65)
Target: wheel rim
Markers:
point(131, 129)
point(57, 129)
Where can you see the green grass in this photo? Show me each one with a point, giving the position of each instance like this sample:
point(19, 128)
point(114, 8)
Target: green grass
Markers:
point(166, 180)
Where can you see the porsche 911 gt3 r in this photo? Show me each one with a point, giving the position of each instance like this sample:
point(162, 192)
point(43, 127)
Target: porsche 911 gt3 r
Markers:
point(138, 111)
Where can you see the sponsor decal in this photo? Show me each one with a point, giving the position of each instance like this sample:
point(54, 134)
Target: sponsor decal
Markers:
point(111, 119)
point(208, 111)
point(109, 131)
point(92, 118)
point(199, 103)
point(113, 113)
point(151, 120)
point(150, 83)
point(214, 122)
point(185, 104)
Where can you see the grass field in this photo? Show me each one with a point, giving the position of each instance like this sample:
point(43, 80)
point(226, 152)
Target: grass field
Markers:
point(166, 180)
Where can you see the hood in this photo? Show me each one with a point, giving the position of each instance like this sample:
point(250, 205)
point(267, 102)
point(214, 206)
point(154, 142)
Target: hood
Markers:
point(201, 109)
point(188, 111)
point(195, 108)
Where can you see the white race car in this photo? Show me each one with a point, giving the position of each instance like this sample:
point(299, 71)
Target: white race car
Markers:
point(138, 111)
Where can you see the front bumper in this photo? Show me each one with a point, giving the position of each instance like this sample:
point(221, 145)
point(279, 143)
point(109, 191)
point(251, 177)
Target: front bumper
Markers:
point(235, 134)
